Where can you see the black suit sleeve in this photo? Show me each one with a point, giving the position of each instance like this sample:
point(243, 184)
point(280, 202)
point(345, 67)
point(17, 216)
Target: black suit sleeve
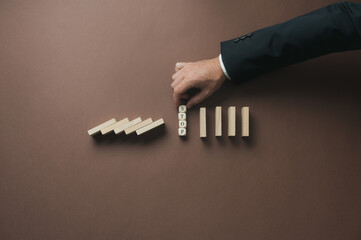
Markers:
point(333, 28)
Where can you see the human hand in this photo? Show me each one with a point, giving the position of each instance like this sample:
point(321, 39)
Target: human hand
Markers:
point(206, 75)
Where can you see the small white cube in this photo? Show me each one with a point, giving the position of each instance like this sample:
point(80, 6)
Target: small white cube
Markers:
point(182, 124)
point(182, 131)
point(182, 108)
point(182, 116)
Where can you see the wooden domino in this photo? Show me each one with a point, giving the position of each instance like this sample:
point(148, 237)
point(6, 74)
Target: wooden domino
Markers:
point(109, 129)
point(137, 126)
point(98, 128)
point(245, 121)
point(151, 126)
point(218, 121)
point(182, 131)
point(232, 121)
point(120, 129)
point(202, 122)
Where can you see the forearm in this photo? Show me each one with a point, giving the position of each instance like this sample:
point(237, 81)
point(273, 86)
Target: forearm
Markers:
point(334, 28)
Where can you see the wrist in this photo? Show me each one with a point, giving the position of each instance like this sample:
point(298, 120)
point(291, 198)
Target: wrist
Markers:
point(218, 70)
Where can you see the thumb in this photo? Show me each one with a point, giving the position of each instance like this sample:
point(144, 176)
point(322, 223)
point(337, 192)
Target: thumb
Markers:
point(196, 99)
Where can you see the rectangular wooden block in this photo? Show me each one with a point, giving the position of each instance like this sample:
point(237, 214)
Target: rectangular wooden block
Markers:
point(98, 128)
point(137, 126)
point(218, 122)
point(151, 126)
point(245, 121)
point(202, 122)
point(120, 129)
point(232, 121)
point(109, 129)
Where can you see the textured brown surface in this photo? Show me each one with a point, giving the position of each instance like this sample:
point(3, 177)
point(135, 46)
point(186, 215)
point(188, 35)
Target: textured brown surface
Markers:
point(66, 66)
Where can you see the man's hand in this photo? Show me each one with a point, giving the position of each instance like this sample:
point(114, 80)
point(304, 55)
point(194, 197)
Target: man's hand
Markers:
point(205, 75)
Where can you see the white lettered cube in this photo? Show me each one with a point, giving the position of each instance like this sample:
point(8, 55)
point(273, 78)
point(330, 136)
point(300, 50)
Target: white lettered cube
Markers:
point(182, 124)
point(182, 131)
point(182, 116)
point(182, 108)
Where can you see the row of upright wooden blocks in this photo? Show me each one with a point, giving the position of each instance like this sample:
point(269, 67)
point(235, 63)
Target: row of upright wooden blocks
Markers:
point(218, 121)
point(135, 126)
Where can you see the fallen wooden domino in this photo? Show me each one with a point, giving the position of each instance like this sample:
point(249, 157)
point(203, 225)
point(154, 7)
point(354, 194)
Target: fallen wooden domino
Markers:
point(98, 128)
point(232, 121)
point(202, 122)
point(245, 121)
point(137, 126)
point(150, 126)
point(120, 129)
point(109, 129)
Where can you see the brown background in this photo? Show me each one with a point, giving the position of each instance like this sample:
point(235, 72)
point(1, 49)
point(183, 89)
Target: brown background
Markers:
point(66, 66)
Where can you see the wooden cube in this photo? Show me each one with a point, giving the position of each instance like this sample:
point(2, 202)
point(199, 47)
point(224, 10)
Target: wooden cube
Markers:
point(182, 109)
point(182, 132)
point(182, 124)
point(182, 116)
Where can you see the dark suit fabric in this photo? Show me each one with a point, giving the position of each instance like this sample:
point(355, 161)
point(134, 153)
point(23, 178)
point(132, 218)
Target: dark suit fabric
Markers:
point(333, 28)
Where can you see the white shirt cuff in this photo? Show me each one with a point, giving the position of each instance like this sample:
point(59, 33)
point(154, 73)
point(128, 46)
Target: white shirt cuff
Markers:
point(222, 66)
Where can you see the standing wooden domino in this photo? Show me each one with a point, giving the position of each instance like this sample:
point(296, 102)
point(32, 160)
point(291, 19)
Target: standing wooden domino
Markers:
point(232, 121)
point(202, 122)
point(218, 120)
point(245, 121)
point(151, 126)
point(98, 128)
point(182, 120)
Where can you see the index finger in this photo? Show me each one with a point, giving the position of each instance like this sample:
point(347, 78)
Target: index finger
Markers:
point(179, 90)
